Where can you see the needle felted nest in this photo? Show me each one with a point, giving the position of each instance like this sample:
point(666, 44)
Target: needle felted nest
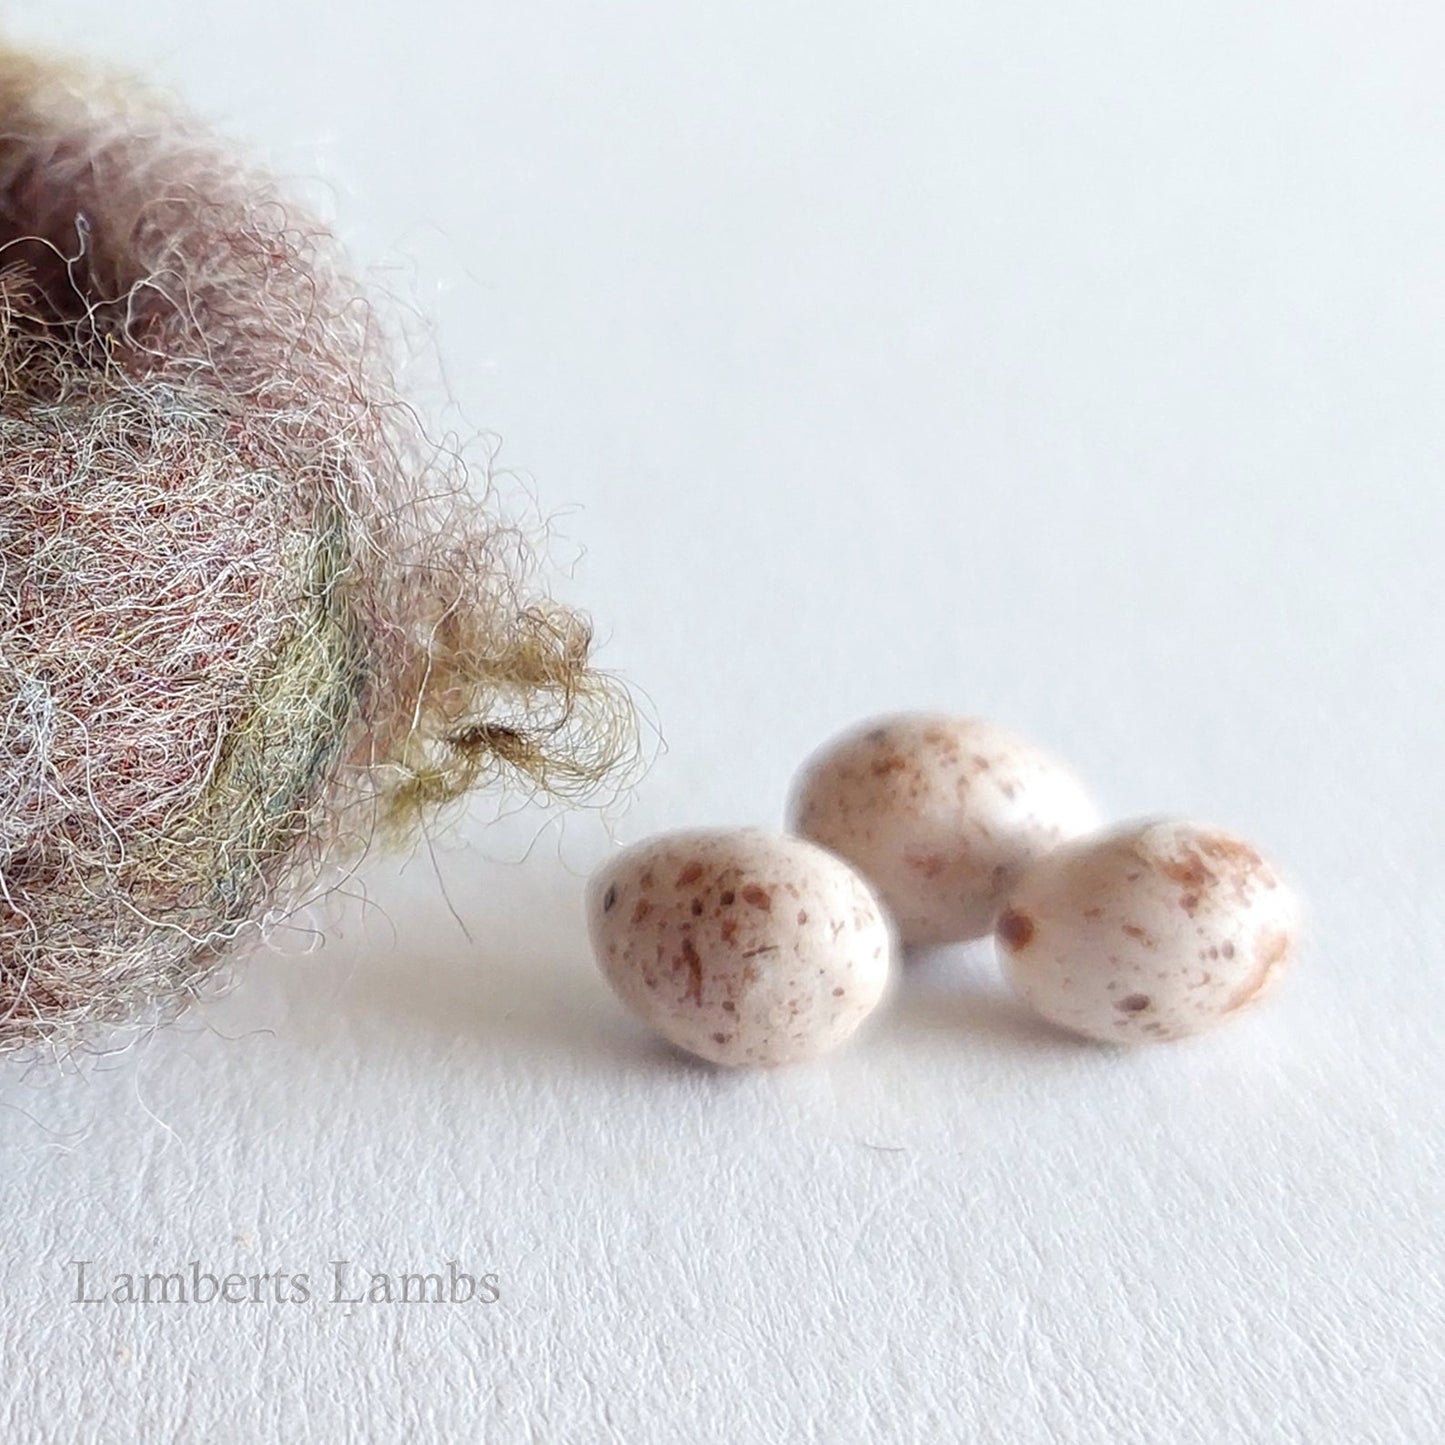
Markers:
point(248, 615)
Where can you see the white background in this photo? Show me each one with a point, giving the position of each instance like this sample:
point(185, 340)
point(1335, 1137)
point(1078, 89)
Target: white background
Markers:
point(1081, 366)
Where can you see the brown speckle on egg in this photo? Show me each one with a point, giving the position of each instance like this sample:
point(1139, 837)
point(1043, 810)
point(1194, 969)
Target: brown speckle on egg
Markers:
point(1016, 929)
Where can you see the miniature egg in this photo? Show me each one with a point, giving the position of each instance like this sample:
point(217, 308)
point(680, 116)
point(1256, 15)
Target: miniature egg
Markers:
point(941, 815)
point(1151, 931)
point(741, 946)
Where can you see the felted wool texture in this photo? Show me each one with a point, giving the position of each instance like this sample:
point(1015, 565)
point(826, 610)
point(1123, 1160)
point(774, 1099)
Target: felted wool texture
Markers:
point(250, 617)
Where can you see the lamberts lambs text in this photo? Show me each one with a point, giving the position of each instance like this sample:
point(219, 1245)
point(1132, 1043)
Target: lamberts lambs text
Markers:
point(342, 1283)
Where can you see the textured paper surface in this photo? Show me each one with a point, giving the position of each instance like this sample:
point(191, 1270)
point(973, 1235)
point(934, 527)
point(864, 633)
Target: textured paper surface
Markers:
point(1076, 366)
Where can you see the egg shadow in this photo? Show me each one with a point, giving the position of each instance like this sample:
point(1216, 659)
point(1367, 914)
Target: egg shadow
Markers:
point(956, 990)
point(454, 954)
point(495, 961)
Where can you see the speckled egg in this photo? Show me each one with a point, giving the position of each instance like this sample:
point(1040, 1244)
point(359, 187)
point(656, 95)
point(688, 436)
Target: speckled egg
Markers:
point(941, 815)
point(741, 946)
point(1151, 931)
